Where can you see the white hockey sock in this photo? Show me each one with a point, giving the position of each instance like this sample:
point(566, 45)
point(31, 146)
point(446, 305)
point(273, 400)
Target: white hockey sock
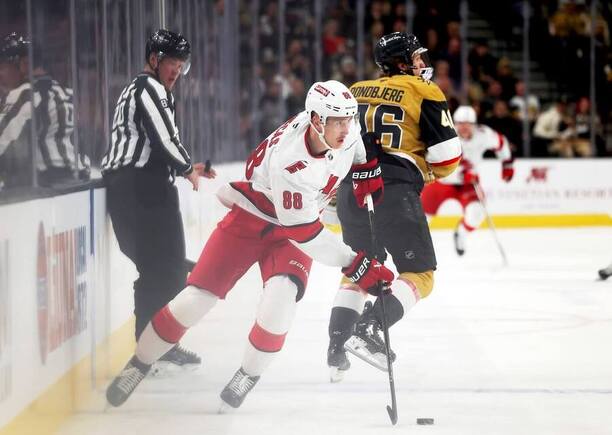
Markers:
point(473, 216)
point(171, 322)
point(151, 346)
point(406, 293)
point(349, 297)
point(275, 314)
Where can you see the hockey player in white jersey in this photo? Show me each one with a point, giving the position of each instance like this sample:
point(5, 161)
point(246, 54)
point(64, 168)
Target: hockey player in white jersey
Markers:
point(274, 221)
point(460, 185)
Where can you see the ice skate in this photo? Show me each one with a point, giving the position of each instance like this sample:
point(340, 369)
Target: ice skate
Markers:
point(337, 361)
point(605, 273)
point(236, 390)
point(177, 359)
point(126, 382)
point(366, 342)
point(459, 241)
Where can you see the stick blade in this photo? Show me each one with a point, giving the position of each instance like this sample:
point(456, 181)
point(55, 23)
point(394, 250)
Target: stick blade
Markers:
point(392, 415)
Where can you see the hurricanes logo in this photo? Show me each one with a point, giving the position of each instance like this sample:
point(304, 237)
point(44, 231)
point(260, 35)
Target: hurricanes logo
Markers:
point(297, 166)
point(321, 90)
point(539, 174)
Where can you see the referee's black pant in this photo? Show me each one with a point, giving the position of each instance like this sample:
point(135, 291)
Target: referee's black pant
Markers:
point(144, 210)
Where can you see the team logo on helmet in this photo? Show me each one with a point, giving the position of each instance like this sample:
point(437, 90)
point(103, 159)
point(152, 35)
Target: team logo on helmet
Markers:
point(320, 89)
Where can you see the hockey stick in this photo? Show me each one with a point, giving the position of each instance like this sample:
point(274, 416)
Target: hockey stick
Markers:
point(481, 199)
point(392, 410)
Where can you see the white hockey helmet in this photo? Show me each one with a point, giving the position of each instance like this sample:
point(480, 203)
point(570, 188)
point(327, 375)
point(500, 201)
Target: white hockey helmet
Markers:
point(330, 98)
point(465, 114)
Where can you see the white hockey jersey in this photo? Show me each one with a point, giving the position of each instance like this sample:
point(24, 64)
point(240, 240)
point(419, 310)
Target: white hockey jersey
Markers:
point(483, 139)
point(287, 185)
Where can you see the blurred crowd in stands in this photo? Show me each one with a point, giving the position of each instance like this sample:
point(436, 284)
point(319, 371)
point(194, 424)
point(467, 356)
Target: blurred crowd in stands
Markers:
point(557, 108)
point(558, 113)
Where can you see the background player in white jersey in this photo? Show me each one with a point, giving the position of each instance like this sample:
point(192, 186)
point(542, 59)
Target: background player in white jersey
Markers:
point(274, 221)
point(475, 141)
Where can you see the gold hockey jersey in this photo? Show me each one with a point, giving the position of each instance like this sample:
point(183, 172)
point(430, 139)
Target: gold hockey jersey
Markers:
point(412, 119)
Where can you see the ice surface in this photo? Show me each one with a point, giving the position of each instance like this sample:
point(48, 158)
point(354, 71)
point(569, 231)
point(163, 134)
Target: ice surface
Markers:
point(525, 349)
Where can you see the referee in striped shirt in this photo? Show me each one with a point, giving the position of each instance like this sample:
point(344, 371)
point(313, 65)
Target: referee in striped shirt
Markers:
point(144, 156)
point(53, 109)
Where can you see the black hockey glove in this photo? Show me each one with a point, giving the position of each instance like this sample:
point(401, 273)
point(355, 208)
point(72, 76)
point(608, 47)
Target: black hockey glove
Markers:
point(372, 144)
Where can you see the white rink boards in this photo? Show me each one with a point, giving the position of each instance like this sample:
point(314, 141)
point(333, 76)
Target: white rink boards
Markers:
point(525, 349)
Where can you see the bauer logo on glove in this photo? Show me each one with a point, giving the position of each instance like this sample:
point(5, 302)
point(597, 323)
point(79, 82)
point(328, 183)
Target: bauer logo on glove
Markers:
point(364, 175)
point(367, 180)
point(366, 273)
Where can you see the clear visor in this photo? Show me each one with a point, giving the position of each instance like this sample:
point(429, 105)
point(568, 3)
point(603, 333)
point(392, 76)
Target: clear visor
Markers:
point(186, 65)
point(341, 121)
point(421, 64)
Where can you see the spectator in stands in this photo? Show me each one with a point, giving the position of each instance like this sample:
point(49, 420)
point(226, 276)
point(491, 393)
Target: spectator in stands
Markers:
point(453, 30)
point(492, 94)
point(431, 16)
point(377, 30)
point(569, 28)
point(399, 25)
point(433, 44)
point(379, 12)
point(506, 78)
point(453, 57)
point(482, 62)
point(523, 106)
point(268, 22)
point(348, 71)
point(551, 129)
point(295, 100)
point(443, 79)
point(333, 42)
point(570, 20)
point(475, 92)
point(581, 140)
point(269, 106)
point(399, 15)
point(501, 121)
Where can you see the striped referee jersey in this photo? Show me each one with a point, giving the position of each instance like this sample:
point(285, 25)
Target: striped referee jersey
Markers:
point(144, 132)
point(54, 112)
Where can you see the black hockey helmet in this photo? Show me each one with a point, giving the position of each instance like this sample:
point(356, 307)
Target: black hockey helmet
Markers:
point(13, 47)
point(167, 43)
point(401, 47)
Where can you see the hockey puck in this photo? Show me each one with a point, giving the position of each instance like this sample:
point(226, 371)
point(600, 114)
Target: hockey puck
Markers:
point(425, 421)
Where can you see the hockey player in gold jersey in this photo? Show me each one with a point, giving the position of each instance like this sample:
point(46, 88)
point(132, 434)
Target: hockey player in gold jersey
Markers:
point(408, 126)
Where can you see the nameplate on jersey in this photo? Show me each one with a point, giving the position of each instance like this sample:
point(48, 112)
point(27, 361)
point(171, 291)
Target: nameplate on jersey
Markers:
point(377, 92)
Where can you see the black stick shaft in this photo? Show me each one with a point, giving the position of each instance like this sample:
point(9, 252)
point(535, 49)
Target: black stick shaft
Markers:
point(392, 410)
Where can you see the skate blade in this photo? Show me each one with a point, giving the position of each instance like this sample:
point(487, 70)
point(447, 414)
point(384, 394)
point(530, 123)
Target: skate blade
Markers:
point(163, 369)
point(357, 347)
point(225, 408)
point(336, 375)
